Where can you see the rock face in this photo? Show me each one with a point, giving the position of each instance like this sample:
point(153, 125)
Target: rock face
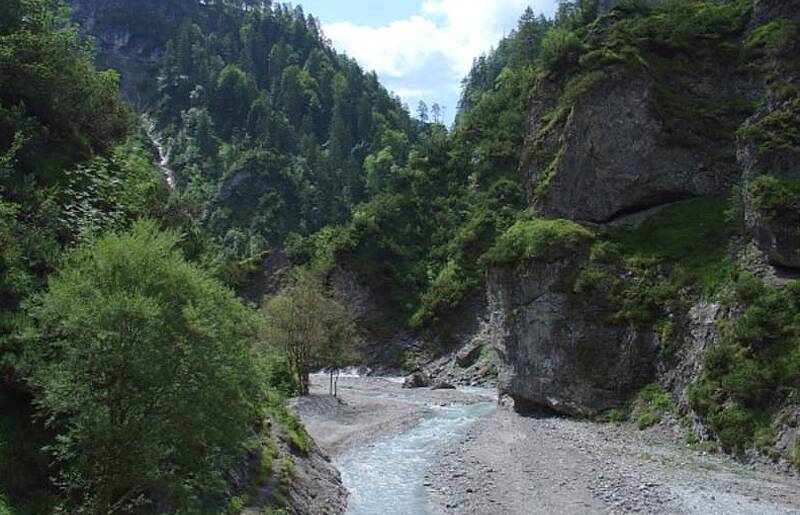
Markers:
point(556, 349)
point(612, 156)
point(131, 51)
point(778, 238)
point(764, 10)
point(787, 433)
point(780, 241)
point(316, 486)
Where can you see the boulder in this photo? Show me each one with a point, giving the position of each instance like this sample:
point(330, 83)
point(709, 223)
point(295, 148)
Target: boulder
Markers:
point(442, 385)
point(786, 427)
point(418, 379)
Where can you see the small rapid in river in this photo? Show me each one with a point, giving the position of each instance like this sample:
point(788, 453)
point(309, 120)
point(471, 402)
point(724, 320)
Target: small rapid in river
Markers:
point(388, 477)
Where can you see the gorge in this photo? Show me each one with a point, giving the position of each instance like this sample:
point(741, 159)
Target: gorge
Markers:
point(589, 280)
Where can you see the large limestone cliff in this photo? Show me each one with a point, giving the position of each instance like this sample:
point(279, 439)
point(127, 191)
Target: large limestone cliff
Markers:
point(621, 138)
point(557, 348)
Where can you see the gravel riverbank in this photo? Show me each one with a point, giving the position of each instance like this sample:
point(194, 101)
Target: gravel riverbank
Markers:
point(507, 464)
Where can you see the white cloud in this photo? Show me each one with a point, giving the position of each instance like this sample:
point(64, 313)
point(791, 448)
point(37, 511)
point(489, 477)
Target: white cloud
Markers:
point(392, 49)
point(434, 49)
point(460, 30)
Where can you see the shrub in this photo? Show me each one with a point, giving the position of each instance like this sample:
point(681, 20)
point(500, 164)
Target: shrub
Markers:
point(561, 48)
point(750, 373)
point(777, 199)
point(612, 416)
point(650, 405)
point(773, 38)
point(548, 240)
point(147, 379)
point(777, 132)
point(443, 295)
point(4, 508)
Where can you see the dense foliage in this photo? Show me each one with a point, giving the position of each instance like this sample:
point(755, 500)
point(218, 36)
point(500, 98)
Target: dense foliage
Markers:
point(755, 368)
point(421, 239)
point(128, 375)
point(148, 381)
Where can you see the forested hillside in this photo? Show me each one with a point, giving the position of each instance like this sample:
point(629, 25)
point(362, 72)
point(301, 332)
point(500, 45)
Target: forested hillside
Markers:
point(270, 131)
point(611, 214)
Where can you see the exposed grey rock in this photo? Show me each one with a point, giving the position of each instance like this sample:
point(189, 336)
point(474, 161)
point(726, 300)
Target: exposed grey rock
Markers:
point(316, 486)
point(442, 385)
point(354, 294)
point(418, 379)
point(765, 10)
point(787, 433)
point(610, 155)
point(473, 364)
point(779, 240)
point(557, 349)
point(133, 55)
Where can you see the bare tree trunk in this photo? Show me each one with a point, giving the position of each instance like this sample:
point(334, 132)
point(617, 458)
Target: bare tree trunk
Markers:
point(306, 381)
point(336, 384)
point(330, 381)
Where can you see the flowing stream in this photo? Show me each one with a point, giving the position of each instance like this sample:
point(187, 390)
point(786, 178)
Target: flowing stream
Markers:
point(149, 126)
point(388, 477)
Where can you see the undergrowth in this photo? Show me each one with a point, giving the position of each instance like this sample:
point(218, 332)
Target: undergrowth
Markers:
point(755, 367)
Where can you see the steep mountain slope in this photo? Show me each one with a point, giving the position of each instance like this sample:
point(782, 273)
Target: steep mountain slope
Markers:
point(270, 131)
point(131, 378)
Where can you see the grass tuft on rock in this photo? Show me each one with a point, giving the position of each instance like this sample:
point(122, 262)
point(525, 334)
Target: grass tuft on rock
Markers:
point(777, 199)
point(547, 240)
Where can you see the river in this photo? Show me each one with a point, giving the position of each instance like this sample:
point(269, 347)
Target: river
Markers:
point(388, 476)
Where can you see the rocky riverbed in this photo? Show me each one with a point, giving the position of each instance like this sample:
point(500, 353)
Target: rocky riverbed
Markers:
point(507, 464)
point(497, 462)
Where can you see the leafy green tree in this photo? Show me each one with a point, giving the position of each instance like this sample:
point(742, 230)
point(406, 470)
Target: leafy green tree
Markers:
point(233, 95)
point(144, 370)
point(378, 168)
point(311, 327)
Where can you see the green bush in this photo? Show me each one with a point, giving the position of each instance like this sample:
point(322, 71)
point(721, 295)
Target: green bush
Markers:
point(650, 405)
point(773, 38)
point(777, 199)
point(443, 295)
point(148, 379)
point(612, 416)
point(561, 48)
point(4, 507)
point(755, 367)
point(547, 240)
point(777, 132)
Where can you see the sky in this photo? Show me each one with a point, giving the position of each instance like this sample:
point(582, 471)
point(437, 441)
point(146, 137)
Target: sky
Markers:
point(421, 49)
